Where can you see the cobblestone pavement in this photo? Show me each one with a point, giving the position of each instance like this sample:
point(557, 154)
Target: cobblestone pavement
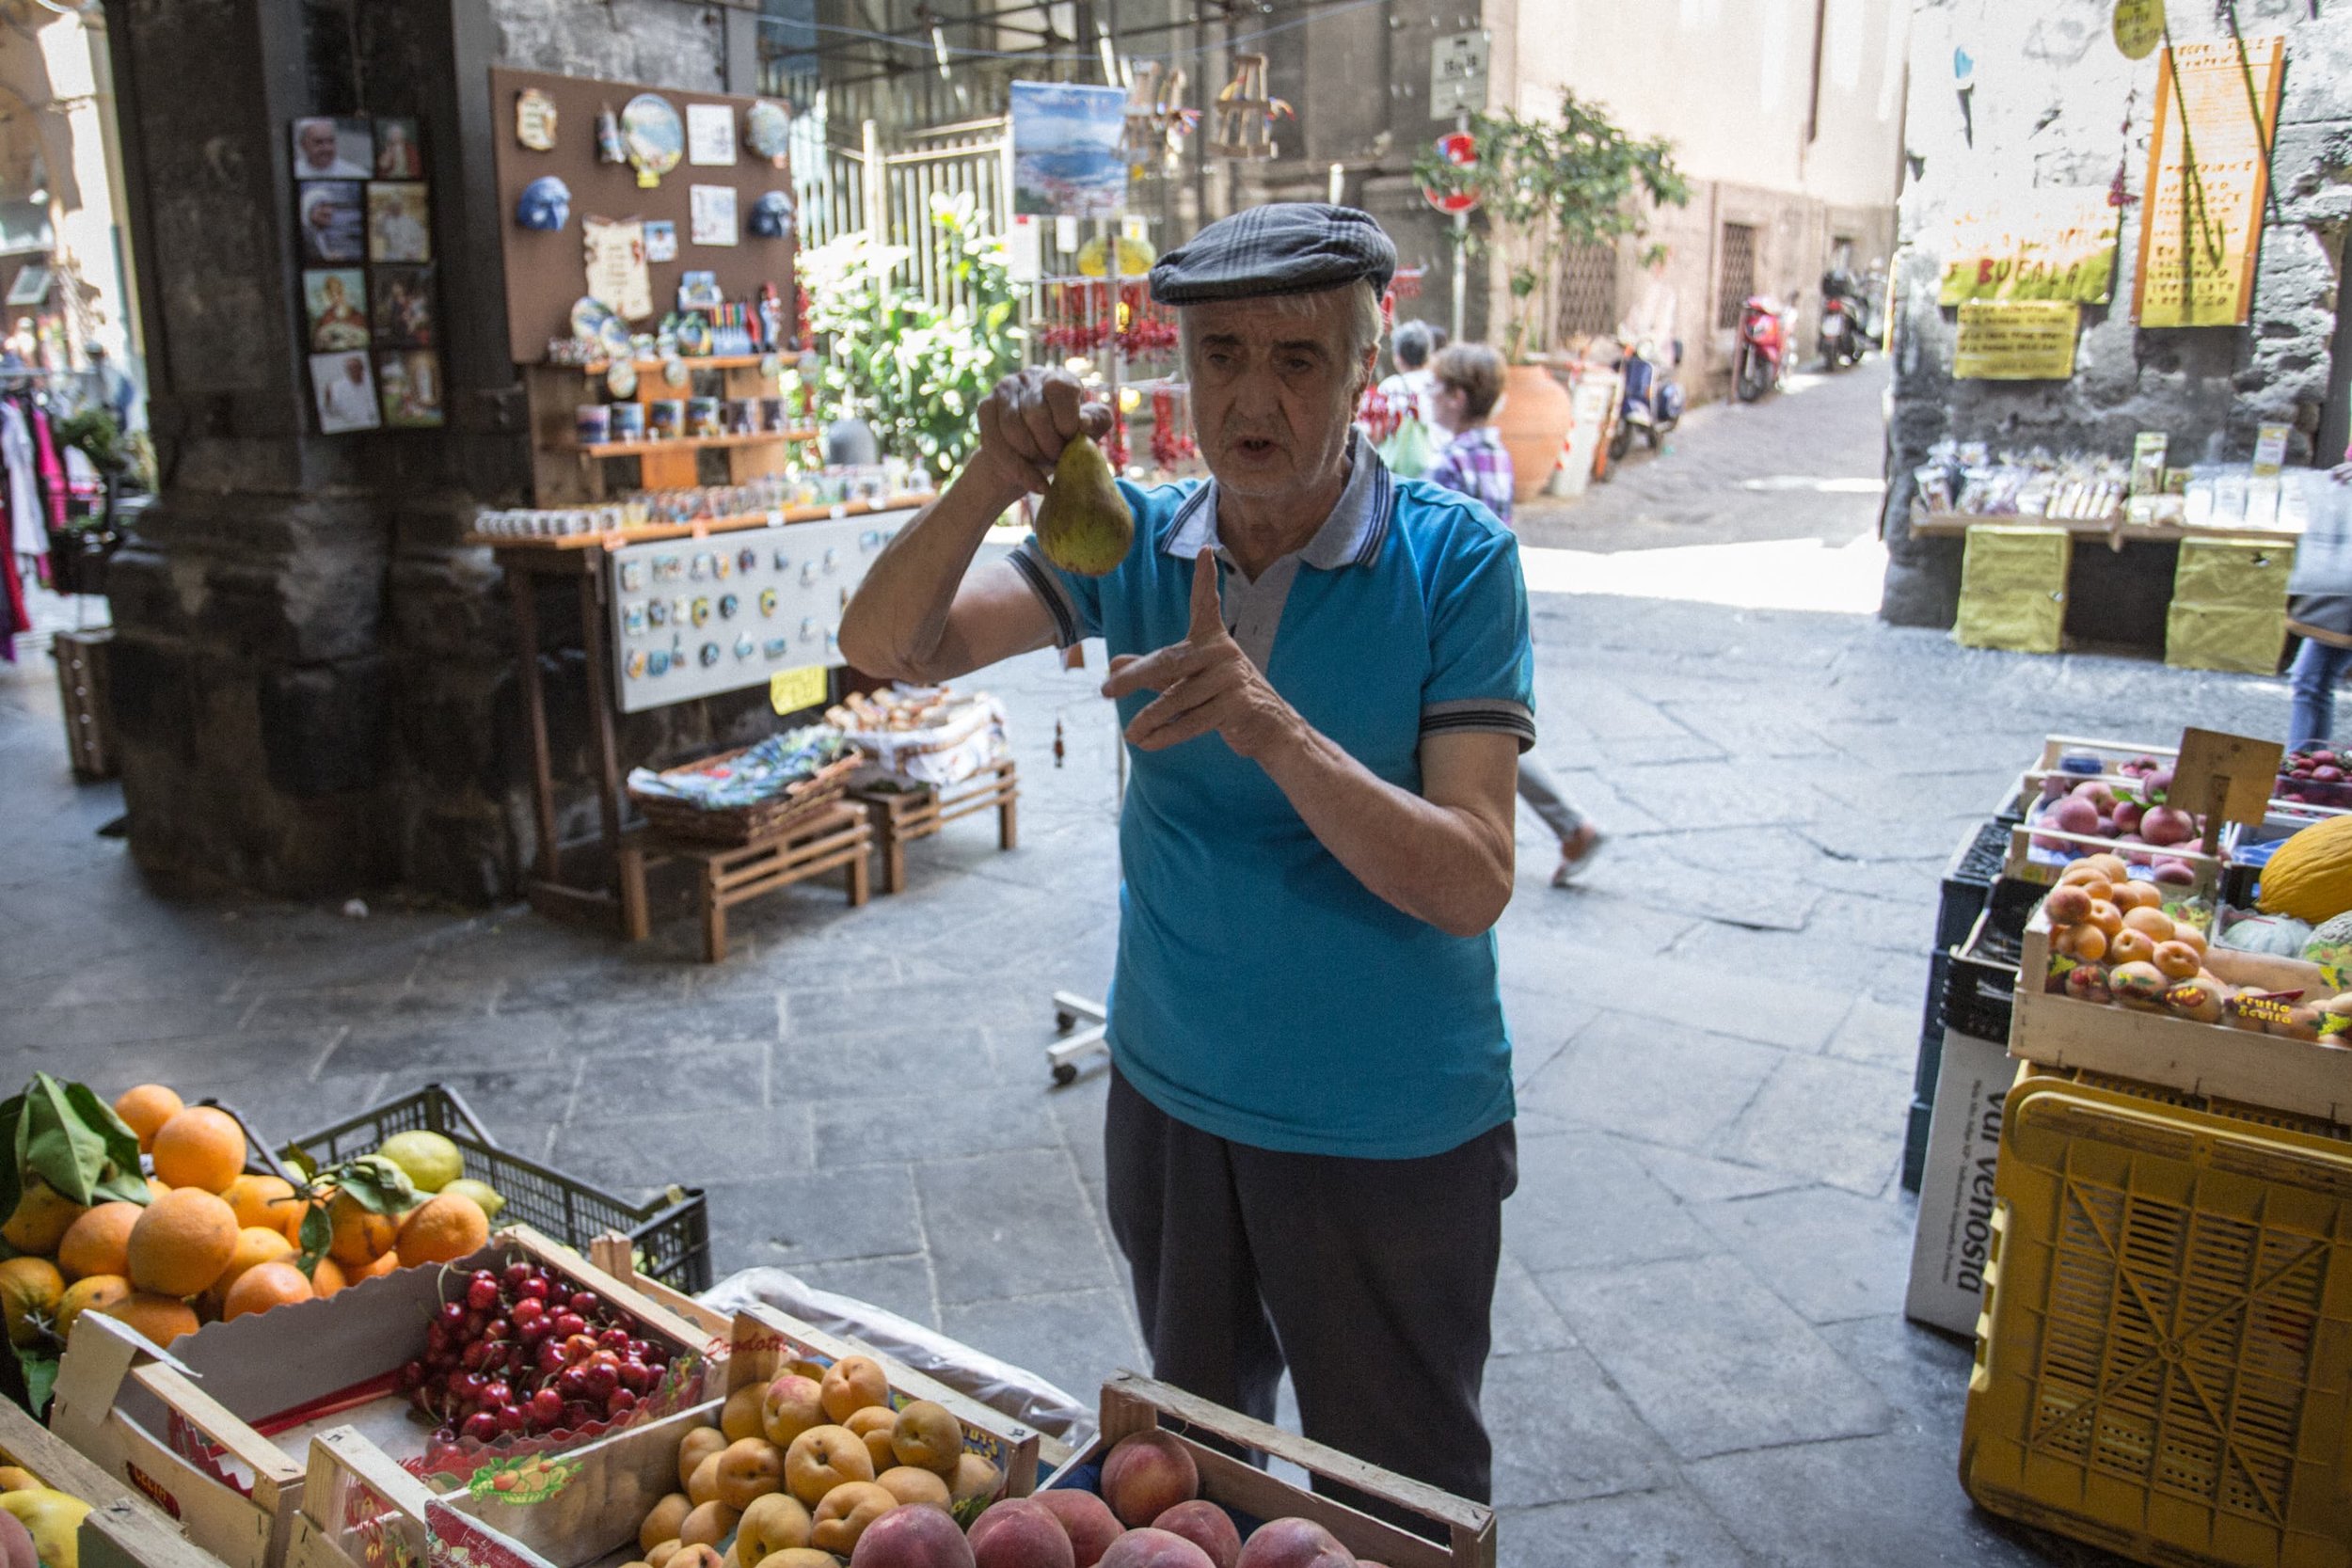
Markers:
point(1700, 1353)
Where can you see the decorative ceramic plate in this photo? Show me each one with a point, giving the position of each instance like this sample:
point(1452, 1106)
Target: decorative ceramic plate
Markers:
point(653, 134)
point(767, 130)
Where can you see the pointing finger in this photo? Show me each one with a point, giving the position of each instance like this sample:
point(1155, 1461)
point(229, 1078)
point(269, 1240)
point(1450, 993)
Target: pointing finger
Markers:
point(1208, 610)
point(1153, 672)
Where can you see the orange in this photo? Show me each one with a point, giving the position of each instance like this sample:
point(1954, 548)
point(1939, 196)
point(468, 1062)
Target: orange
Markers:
point(268, 1201)
point(182, 1242)
point(326, 1278)
point(360, 1236)
point(42, 1216)
point(98, 1242)
point(100, 1290)
point(29, 1288)
point(377, 1270)
point(145, 1108)
point(160, 1317)
point(262, 1287)
point(200, 1147)
point(156, 1189)
point(256, 1244)
point(442, 1230)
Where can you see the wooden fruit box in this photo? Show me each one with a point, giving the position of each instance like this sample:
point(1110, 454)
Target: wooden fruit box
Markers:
point(768, 1342)
point(1451, 1532)
point(123, 1529)
point(359, 1510)
point(2020, 865)
point(214, 1429)
point(2307, 1077)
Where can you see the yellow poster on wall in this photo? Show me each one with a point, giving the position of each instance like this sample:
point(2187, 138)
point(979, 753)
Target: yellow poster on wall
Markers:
point(2058, 243)
point(2208, 177)
point(2016, 340)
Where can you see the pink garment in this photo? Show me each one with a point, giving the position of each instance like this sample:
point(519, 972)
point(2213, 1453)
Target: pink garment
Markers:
point(53, 486)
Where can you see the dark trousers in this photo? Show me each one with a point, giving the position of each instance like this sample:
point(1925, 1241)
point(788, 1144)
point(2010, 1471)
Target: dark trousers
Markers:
point(1371, 1279)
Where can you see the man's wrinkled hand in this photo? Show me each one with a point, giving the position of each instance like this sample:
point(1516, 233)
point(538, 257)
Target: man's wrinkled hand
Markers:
point(1026, 421)
point(1205, 683)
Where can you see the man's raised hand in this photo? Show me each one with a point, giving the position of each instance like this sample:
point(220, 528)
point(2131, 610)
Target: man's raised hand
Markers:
point(1205, 683)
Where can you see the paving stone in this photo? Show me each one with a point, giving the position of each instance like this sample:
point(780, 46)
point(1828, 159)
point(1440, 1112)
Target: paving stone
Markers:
point(1836, 1121)
point(692, 1147)
point(1010, 1225)
point(1075, 1340)
point(952, 1057)
point(522, 1107)
point(1670, 1527)
point(900, 1285)
point(1584, 1201)
point(1753, 1006)
point(1883, 1034)
point(795, 1217)
point(1700, 1178)
point(1652, 1078)
point(1711, 1359)
point(1923, 1372)
point(931, 1126)
point(1827, 1252)
point(428, 1047)
point(1561, 1432)
point(1077, 1110)
point(1524, 1321)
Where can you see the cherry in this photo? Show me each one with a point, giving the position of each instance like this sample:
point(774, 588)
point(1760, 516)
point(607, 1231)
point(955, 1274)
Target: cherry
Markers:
point(613, 1339)
point(569, 1323)
point(512, 1418)
point(467, 1385)
point(572, 1382)
point(527, 1310)
point(498, 1328)
point(517, 1274)
point(579, 1413)
point(550, 1358)
point(585, 1303)
point(619, 1403)
point(411, 1377)
point(533, 1288)
point(482, 1292)
point(482, 1426)
point(580, 1347)
point(474, 1354)
point(496, 1392)
point(476, 1323)
point(547, 1408)
point(451, 1317)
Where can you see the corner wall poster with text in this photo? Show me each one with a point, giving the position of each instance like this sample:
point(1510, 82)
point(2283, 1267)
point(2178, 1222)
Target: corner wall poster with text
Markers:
point(2053, 243)
point(1068, 156)
point(2200, 227)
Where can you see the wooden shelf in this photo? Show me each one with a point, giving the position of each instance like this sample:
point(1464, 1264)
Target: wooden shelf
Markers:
point(2113, 528)
point(700, 527)
point(692, 361)
point(694, 443)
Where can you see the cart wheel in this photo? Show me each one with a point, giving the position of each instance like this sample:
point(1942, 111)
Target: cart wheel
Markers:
point(1065, 1073)
point(1065, 1022)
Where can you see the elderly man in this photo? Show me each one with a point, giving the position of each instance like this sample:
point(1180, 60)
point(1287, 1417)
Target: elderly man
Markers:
point(1325, 675)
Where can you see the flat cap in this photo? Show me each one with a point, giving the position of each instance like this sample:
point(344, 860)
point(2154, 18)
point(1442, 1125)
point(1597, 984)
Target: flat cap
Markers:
point(1284, 247)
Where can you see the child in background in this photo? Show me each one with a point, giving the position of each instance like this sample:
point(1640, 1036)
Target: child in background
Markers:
point(1474, 462)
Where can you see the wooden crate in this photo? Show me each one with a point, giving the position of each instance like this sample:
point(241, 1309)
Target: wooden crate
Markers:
point(81, 658)
point(2269, 1071)
point(123, 1529)
point(194, 1446)
point(1457, 1534)
point(359, 1510)
point(903, 816)
point(836, 839)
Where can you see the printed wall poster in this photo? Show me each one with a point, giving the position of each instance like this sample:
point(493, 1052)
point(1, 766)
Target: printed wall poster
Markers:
point(712, 216)
point(344, 392)
point(403, 307)
point(2208, 177)
point(332, 218)
point(2054, 242)
point(618, 277)
point(336, 304)
point(1067, 150)
point(399, 223)
point(398, 156)
point(328, 148)
point(660, 240)
point(410, 383)
point(710, 135)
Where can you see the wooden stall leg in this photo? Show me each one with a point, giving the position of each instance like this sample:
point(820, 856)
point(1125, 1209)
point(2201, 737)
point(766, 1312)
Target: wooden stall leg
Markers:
point(636, 919)
point(860, 883)
point(1008, 813)
point(520, 586)
point(893, 852)
point(601, 722)
point(714, 918)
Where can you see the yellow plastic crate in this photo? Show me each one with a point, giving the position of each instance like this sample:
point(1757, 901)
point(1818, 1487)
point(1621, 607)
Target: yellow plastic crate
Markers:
point(2163, 1364)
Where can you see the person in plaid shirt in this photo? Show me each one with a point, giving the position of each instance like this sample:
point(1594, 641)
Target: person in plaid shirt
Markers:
point(1470, 384)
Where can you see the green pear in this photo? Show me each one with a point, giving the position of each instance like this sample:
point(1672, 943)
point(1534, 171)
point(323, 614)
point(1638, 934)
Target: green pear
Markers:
point(1083, 525)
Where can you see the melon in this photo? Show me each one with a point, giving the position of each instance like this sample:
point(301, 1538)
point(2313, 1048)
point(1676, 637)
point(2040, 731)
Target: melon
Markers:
point(2310, 875)
point(2277, 935)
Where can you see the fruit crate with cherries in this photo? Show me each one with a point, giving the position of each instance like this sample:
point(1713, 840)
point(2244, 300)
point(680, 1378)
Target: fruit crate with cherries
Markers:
point(1163, 1464)
point(671, 1232)
point(72, 1508)
point(217, 1430)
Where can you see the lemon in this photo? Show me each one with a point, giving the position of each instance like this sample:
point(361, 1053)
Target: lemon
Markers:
point(431, 1160)
point(54, 1520)
point(484, 1195)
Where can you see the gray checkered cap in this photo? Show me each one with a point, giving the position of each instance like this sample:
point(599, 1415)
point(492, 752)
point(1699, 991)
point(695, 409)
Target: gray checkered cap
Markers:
point(1284, 247)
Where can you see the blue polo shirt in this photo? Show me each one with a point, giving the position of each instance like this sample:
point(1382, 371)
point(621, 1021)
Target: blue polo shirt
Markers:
point(1262, 993)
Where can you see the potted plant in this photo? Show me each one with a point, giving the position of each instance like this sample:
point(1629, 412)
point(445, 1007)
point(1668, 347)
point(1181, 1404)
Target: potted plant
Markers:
point(1576, 179)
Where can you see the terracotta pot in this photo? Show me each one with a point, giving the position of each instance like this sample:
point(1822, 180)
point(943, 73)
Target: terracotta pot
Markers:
point(1534, 420)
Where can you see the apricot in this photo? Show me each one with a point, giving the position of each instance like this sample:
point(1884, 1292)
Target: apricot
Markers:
point(706, 1525)
point(2178, 959)
point(792, 1404)
point(2190, 937)
point(852, 1384)
point(2066, 906)
point(2154, 923)
point(698, 1444)
point(822, 1458)
point(849, 1510)
point(750, 1468)
point(774, 1523)
point(976, 1480)
point(2106, 917)
point(2131, 947)
point(703, 1486)
point(925, 1435)
point(913, 1486)
point(2085, 941)
point(664, 1522)
point(740, 1418)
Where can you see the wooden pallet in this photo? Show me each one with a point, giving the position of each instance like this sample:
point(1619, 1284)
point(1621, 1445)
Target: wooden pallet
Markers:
point(902, 815)
point(840, 839)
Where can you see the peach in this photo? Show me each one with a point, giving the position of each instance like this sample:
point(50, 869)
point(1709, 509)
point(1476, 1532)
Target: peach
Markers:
point(1146, 1475)
point(740, 1418)
point(822, 1458)
point(912, 1538)
point(853, 1383)
point(1157, 1549)
point(1294, 1544)
point(912, 1487)
point(873, 1424)
point(850, 1509)
point(747, 1469)
point(703, 1486)
point(2154, 923)
point(706, 1525)
point(1085, 1517)
point(696, 1554)
point(975, 1479)
point(659, 1554)
point(664, 1522)
point(696, 1446)
point(792, 1404)
point(2128, 946)
point(801, 1557)
point(1207, 1526)
point(2066, 905)
point(1021, 1533)
point(774, 1523)
point(926, 1436)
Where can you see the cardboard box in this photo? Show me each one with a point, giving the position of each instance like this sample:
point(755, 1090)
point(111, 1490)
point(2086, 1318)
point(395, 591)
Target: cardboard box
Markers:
point(1454, 1534)
point(1954, 1233)
point(122, 1529)
point(217, 1429)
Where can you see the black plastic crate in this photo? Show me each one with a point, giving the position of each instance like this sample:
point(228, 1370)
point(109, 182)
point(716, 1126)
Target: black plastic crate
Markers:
point(1980, 989)
point(672, 1232)
point(1932, 1026)
point(1915, 1143)
point(1975, 866)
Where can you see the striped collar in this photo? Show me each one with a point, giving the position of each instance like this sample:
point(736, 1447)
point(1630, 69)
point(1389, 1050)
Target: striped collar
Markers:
point(1350, 536)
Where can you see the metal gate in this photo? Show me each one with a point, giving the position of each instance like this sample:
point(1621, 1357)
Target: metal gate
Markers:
point(845, 190)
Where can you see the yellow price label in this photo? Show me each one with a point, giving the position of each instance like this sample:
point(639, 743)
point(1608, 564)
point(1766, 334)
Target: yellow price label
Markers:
point(2139, 27)
point(790, 690)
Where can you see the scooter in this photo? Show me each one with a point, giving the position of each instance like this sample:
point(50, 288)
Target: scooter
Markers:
point(1843, 333)
point(1653, 401)
point(1762, 355)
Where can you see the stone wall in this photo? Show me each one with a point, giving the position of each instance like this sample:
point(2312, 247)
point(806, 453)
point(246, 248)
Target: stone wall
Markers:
point(2050, 94)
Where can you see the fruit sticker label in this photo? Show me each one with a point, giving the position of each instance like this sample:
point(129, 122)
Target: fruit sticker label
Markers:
point(533, 1480)
point(457, 1541)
